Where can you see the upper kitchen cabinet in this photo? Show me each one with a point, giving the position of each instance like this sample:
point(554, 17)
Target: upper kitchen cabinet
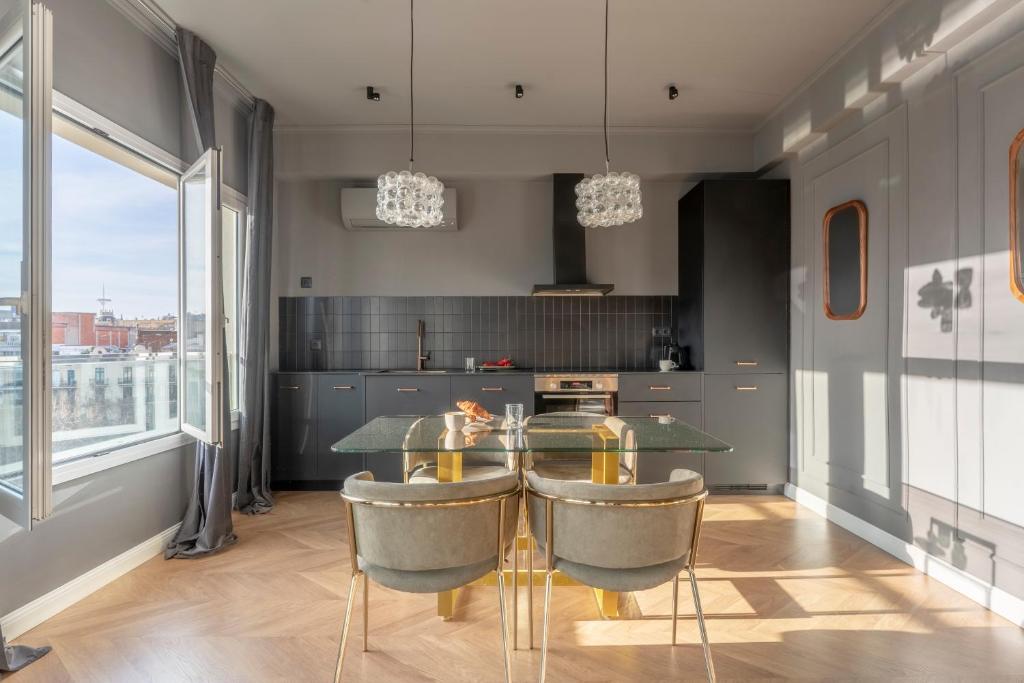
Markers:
point(734, 275)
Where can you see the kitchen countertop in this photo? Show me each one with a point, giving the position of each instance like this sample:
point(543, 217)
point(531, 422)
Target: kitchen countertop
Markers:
point(486, 373)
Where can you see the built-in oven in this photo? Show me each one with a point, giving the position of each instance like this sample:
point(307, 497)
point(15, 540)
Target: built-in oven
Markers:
point(585, 392)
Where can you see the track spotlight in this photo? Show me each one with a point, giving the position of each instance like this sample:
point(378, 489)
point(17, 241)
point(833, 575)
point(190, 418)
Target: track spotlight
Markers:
point(673, 92)
point(372, 94)
point(519, 91)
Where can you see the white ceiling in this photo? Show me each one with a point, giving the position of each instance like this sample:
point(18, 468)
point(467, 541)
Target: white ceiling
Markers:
point(733, 60)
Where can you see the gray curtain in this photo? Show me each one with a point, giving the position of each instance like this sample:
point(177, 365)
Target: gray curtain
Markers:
point(15, 657)
point(253, 486)
point(207, 525)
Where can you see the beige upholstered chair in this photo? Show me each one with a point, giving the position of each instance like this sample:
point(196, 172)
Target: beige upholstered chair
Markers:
point(577, 466)
point(620, 538)
point(428, 538)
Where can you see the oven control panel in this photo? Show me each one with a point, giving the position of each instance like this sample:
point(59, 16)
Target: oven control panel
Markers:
point(580, 383)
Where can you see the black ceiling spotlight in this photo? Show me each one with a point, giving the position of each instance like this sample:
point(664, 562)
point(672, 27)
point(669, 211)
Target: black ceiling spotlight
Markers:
point(372, 94)
point(673, 92)
point(519, 91)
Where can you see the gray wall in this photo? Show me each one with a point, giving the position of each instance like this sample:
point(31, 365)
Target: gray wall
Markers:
point(909, 417)
point(103, 61)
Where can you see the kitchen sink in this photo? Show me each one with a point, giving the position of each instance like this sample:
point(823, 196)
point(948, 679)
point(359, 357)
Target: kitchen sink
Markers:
point(413, 372)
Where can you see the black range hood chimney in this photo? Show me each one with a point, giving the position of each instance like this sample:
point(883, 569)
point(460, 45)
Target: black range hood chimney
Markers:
point(570, 244)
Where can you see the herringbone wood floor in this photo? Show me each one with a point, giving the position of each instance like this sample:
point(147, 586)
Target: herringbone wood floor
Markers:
point(787, 596)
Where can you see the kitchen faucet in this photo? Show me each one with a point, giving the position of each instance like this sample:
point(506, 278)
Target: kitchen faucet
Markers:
point(421, 330)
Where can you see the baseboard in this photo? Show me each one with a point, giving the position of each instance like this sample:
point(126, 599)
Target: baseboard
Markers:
point(59, 599)
point(999, 601)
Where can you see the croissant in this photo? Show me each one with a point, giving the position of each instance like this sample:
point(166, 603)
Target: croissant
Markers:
point(474, 410)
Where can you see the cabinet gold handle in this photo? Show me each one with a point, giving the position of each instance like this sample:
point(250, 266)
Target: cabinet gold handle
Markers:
point(666, 415)
point(747, 363)
point(343, 387)
point(290, 387)
point(654, 387)
point(406, 389)
point(492, 388)
point(750, 388)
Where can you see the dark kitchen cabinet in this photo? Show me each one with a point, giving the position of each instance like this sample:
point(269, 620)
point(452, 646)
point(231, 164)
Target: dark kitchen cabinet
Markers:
point(660, 386)
point(749, 412)
point(493, 390)
point(734, 275)
point(402, 395)
point(655, 467)
point(293, 454)
point(339, 412)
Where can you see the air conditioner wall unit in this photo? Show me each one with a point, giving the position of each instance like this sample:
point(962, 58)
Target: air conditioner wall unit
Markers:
point(359, 211)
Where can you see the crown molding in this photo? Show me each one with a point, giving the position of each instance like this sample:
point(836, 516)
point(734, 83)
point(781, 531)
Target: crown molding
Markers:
point(152, 20)
point(507, 130)
point(836, 57)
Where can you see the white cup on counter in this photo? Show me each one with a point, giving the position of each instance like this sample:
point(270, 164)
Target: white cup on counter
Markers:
point(667, 365)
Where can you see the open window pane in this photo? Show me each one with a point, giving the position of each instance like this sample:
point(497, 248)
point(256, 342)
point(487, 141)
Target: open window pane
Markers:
point(114, 295)
point(13, 240)
point(1017, 216)
point(230, 229)
point(202, 319)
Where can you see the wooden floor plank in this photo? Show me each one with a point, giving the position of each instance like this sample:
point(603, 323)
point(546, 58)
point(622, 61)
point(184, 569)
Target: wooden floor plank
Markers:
point(786, 595)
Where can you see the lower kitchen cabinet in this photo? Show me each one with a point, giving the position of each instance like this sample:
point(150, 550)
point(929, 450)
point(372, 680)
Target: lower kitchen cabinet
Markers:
point(493, 390)
point(293, 445)
point(748, 411)
point(654, 467)
point(339, 412)
point(402, 395)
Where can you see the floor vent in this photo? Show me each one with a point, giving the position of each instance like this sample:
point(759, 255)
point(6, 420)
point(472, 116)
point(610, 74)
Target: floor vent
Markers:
point(739, 487)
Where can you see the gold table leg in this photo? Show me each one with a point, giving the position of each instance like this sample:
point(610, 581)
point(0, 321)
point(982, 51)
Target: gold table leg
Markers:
point(604, 469)
point(449, 469)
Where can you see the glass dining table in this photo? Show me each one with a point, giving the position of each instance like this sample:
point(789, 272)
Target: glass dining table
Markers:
point(608, 440)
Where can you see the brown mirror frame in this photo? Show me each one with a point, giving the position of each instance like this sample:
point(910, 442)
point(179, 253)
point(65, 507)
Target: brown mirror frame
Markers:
point(862, 214)
point(1016, 208)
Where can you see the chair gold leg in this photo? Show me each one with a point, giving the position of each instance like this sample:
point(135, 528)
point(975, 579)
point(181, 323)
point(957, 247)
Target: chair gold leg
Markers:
point(515, 589)
point(544, 635)
point(345, 625)
point(507, 657)
point(675, 606)
point(529, 569)
point(366, 614)
point(708, 663)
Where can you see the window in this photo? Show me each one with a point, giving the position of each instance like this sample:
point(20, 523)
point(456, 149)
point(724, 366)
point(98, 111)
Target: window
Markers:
point(1017, 216)
point(114, 292)
point(232, 215)
point(845, 236)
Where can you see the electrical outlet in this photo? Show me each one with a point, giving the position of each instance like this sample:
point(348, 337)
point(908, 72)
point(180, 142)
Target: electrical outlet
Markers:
point(306, 282)
point(661, 332)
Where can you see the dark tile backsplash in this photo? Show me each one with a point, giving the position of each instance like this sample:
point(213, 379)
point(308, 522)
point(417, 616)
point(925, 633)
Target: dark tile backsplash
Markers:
point(542, 333)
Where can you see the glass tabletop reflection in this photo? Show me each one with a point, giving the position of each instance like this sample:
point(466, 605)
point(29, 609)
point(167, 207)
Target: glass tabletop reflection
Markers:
point(548, 433)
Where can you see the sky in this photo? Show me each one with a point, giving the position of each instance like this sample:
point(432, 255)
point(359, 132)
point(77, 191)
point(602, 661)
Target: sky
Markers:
point(111, 227)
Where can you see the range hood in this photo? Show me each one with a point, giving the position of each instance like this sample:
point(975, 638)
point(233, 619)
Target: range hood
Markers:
point(569, 239)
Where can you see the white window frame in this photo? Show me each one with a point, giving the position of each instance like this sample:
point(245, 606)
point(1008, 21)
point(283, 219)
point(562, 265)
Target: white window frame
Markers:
point(236, 201)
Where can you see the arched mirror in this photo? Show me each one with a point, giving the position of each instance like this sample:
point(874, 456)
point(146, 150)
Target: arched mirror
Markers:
point(1017, 216)
point(845, 236)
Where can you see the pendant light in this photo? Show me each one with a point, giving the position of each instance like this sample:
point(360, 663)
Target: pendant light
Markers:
point(613, 198)
point(408, 199)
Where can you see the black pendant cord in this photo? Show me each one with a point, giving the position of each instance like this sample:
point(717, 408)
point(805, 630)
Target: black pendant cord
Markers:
point(607, 155)
point(412, 109)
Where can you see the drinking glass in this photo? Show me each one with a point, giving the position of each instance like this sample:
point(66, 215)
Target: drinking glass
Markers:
point(470, 364)
point(514, 415)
